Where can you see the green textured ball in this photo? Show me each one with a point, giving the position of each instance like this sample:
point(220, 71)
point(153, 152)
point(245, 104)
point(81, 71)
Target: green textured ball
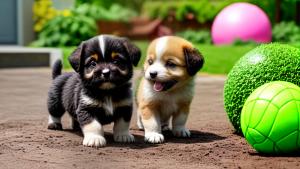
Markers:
point(263, 64)
point(270, 118)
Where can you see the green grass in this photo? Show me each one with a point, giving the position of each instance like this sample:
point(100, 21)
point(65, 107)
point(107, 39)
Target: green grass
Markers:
point(66, 53)
point(218, 59)
point(143, 46)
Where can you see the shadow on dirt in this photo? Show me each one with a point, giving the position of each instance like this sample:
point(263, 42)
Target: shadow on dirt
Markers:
point(138, 144)
point(296, 154)
point(138, 135)
point(196, 137)
point(75, 132)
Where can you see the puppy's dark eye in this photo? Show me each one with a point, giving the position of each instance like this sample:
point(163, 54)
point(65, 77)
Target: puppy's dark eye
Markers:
point(170, 64)
point(120, 63)
point(93, 64)
point(116, 61)
point(150, 61)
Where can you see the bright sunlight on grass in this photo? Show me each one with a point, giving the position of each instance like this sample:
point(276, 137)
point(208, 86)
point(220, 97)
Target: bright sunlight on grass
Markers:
point(66, 53)
point(220, 59)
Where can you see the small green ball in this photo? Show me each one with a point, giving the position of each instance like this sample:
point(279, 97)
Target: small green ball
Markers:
point(263, 64)
point(270, 118)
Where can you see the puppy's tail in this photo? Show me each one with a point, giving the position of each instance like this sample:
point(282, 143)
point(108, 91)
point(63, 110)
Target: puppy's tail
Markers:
point(56, 70)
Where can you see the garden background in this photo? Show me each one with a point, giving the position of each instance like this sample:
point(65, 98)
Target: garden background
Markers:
point(25, 141)
point(143, 20)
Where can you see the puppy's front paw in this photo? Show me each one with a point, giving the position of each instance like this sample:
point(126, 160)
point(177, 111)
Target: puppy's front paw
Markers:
point(94, 140)
point(55, 126)
point(124, 138)
point(181, 132)
point(153, 137)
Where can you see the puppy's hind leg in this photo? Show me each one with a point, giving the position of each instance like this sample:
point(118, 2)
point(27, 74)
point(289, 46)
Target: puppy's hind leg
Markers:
point(54, 121)
point(56, 111)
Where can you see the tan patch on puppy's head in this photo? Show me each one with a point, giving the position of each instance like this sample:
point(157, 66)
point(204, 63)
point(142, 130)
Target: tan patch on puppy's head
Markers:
point(95, 56)
point(174, 48)
point(114, 55)
point(174, 54)
point(166, 56)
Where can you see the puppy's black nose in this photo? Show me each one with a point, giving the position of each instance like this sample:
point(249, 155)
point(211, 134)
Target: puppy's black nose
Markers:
point(106, 73)
point(153, 75)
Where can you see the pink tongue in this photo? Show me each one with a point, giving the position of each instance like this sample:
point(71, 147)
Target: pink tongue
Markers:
point(158, 86)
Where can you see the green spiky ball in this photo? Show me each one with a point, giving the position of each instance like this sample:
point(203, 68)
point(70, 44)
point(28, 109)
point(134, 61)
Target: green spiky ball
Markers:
point(270, 118)
point(263, 64)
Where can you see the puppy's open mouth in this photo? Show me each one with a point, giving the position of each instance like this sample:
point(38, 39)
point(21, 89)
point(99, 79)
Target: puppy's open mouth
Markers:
point(163, 86)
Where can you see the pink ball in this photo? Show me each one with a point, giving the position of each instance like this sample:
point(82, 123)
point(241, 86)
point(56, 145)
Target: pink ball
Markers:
point(241, 21)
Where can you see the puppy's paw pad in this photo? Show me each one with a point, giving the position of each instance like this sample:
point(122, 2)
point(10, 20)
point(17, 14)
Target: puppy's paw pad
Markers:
point(93, 140)
point(124, 138)
point(54, 126)
point(181, 132)
point(153, 137)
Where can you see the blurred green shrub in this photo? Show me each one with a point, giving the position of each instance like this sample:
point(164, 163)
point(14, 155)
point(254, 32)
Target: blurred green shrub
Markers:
point(287, 32)
point(134, 5)
point(88, 10)
point(66, 31)
point(71, 27)
point(240, 42)
point(103, 3)
point(199, 37)
point(206, 10)
point(43, 11)
point(203, 10)
point(288, 8)
point(114, 13)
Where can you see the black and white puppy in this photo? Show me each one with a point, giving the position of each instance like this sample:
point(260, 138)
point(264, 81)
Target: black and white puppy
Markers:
point(99, 92)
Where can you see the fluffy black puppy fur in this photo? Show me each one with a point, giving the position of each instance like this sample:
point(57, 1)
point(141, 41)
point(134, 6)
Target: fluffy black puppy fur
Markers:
point(99, 92)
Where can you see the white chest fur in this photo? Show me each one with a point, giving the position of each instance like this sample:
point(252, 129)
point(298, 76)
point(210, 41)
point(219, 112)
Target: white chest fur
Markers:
point(106, 103)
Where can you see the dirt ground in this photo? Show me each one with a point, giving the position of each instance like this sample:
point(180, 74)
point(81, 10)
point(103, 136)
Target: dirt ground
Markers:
point(26, 143)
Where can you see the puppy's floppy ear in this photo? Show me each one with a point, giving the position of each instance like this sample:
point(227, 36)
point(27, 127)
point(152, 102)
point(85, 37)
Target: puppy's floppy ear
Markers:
point(76, 59)
point(133, 51)
point(194, 60)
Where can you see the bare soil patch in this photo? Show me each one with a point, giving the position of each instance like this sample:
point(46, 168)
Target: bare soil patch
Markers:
point(26, 143)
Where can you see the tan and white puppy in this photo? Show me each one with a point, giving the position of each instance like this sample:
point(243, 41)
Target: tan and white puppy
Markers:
point(167, 88)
